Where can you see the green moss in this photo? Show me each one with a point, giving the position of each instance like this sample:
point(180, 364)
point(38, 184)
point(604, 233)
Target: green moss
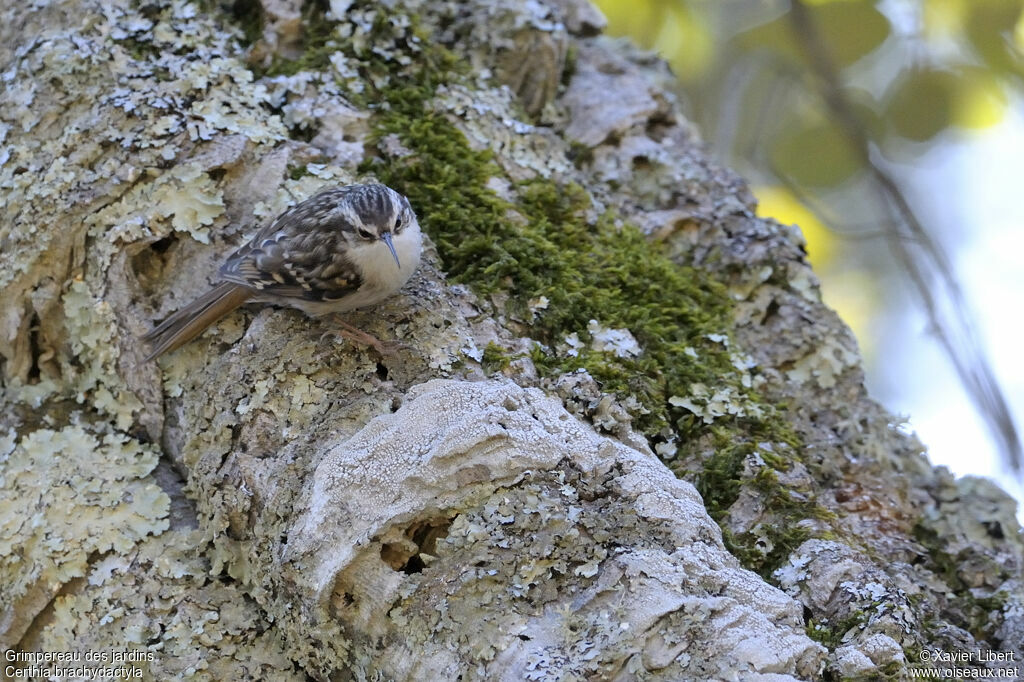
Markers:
point(572, 56)
point(975, 611)
point(544, 245)
point(299, 171)
point(580, 154)
point(721, 478)
point(942, 563)
point(249, 15)
point(831, 636)
point(495, 358)
point(994, 602)
point(783, 537)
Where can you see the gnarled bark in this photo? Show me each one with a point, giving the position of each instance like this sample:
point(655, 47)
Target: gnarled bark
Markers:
point(269, 504)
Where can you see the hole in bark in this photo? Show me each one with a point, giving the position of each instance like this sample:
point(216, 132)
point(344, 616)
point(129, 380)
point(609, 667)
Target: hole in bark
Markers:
point(659, 126)
point(994, 528)
point(149, 264)
point(771, 311)
point(413, 565)
point(304, 134)
point(155, 639)
point(34, 349)
point(641, 162)
point(342, 602)
point(420, 539)
point(161, 245)
point(382, 371)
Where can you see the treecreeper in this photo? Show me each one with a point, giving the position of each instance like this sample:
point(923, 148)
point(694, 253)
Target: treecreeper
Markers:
point(343, 248)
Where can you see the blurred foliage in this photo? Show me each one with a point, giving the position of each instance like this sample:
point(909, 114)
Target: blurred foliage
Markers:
point(916, 74)
point(914, 71)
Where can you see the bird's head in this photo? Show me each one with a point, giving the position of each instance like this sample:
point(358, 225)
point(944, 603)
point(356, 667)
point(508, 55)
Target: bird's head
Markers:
point(378, 216)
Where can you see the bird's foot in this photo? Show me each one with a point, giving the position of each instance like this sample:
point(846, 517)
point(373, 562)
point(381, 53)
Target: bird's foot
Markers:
point(386, 349)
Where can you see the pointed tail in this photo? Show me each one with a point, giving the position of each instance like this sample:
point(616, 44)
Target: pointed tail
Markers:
point(190, 321)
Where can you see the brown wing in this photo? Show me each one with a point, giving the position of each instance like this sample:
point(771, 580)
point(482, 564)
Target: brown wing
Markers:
point(301, 254)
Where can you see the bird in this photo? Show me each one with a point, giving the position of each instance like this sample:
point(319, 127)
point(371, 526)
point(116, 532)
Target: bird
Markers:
point(344, 248)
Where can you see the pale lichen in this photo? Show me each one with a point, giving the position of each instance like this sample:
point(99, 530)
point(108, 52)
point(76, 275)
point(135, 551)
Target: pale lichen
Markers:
point(824, 364)
point(69, 493)
point(206, 631)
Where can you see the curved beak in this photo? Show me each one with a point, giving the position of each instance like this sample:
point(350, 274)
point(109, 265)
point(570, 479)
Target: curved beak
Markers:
point(387, 240)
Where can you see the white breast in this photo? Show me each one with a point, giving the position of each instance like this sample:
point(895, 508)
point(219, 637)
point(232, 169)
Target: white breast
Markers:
point(381, 276)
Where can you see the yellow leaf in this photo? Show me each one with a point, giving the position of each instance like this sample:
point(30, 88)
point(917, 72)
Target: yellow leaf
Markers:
point(980, 102)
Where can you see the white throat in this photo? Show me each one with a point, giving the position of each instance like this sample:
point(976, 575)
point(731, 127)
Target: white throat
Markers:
point(381, 275)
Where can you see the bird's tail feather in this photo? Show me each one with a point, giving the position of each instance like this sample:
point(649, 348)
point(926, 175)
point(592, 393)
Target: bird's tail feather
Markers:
point(190, 321)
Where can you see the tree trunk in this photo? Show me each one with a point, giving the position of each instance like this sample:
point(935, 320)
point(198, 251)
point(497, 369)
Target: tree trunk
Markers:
point(601, 329)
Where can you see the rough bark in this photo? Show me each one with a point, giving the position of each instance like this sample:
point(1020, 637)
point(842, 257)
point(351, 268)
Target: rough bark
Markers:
point(268, 503)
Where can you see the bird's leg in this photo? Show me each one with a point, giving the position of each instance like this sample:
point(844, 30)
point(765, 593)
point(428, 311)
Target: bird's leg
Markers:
point(357, 335)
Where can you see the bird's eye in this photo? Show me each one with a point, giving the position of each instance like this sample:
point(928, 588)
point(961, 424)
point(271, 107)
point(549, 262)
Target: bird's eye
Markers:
point(365, 234)
point(398, 224)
